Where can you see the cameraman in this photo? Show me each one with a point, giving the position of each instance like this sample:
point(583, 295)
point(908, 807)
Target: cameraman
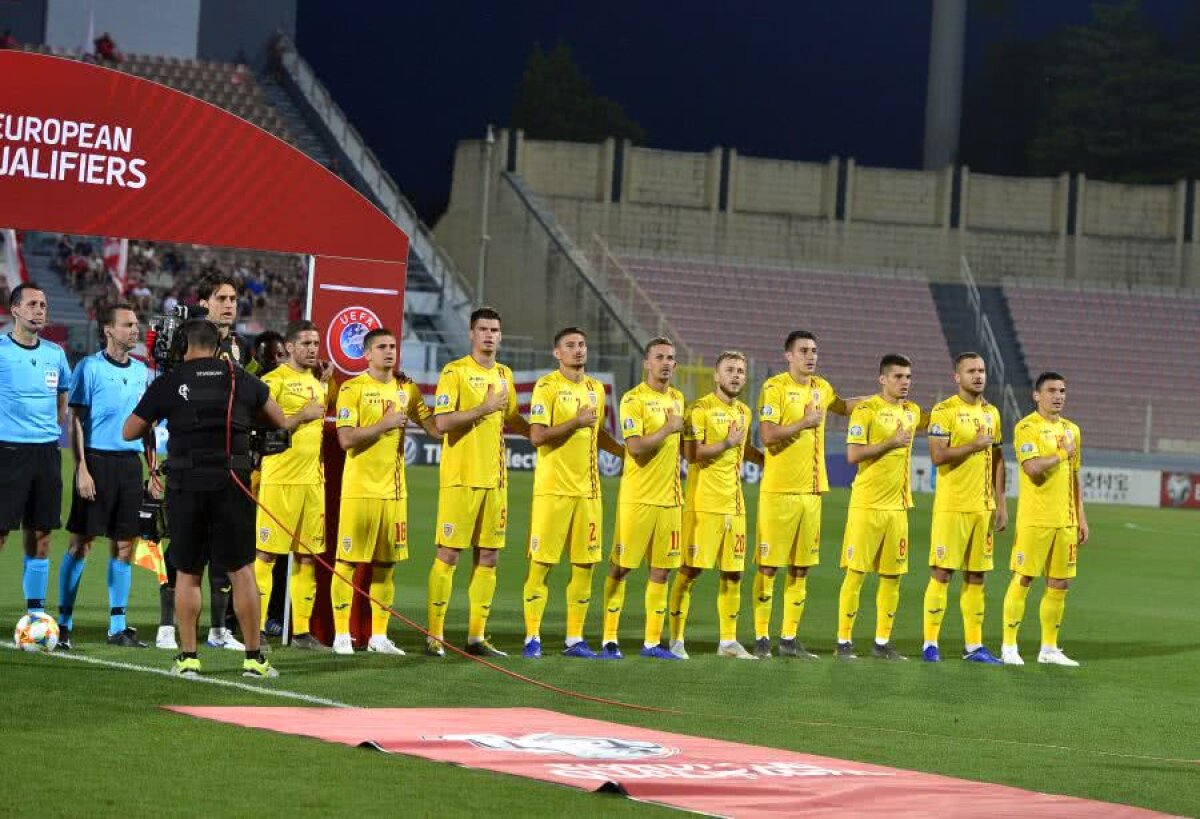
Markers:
point(218, 296)
point(210, 518)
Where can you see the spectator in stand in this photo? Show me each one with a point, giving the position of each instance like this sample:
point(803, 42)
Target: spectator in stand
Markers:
point(66, 248)
point(106, 49)
point(7, 40)
point(295, 309)
point(246, 304)
point(143, 299)
point(170, 302)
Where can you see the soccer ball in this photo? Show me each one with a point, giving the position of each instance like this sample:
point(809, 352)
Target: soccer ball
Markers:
point(36, 632)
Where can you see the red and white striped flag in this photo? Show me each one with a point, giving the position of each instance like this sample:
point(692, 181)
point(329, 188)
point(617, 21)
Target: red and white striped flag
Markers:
point(14, 261)
point(116, 256)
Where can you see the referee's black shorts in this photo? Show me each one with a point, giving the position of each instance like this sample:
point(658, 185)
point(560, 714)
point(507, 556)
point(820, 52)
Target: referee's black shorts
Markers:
point(210, 527)
point(30, 486)
point(114, 512)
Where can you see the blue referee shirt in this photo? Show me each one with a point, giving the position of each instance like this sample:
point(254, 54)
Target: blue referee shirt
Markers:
point(30, 380)
point(110, 391)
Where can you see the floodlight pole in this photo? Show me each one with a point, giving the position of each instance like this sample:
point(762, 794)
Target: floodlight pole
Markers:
point(481, 272)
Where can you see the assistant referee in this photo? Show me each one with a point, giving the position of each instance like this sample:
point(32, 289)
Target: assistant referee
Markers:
point(34, 378)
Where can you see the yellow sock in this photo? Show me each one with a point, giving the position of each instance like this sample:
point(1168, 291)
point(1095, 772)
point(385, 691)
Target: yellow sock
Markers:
point(480, 594)
point(936, 596)
point(764, 596)
point(729, 604)
point(848, 604)
point(679, 603)
point(656, 611)
point(1054, 603)
point(614, 601)
point(263, 575)
point(304, 593)
point(579, 597)
point(341, 595)
point(971, 603)
point(794, 595)
point(441, 583)
point(535, 597)
point(887, 600)
point(383, 589)
point(1014, 609)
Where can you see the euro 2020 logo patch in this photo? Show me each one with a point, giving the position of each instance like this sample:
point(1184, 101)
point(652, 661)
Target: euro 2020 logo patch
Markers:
point(344, 339)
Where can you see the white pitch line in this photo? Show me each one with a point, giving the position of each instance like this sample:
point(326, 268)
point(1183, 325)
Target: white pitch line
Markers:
point(1137, 527)
point(146, 669)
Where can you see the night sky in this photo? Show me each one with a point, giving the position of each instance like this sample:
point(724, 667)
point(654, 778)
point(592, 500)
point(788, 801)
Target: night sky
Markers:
point(796, 80)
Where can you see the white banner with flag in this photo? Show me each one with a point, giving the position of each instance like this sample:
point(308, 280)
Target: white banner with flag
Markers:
point(116, 259)
point(14, 261)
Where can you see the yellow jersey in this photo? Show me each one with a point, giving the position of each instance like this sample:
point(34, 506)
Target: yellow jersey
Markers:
point(883, 483)
point(570, 468)
point(796, 466)
point(655, 481)
point(1053, 503)
point(716, 485)
point(301, 463)
point(967, 486)
point(376, 470)
point(475, 456)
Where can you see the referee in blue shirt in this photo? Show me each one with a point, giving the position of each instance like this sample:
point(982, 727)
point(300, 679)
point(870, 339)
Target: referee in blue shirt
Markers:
point(34, 378)
point(108, 473)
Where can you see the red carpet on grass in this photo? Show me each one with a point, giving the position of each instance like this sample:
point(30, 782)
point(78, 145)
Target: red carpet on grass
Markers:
point(694, 773)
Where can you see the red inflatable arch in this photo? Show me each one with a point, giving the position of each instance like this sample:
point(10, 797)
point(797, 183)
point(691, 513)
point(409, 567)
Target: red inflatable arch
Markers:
point(93, 151)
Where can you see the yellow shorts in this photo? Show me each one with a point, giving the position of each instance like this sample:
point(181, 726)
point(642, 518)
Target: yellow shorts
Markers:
point(876, 540)
point(709, 535)
point(961, 540)
point(373, 530)
point(469, 516)
point(300, 509)
point(643, 528)
point(560, 520)
point(789, 529)
point(1045, 550)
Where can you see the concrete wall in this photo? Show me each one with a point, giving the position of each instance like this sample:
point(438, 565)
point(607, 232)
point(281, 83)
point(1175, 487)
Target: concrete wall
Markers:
point(839, 215)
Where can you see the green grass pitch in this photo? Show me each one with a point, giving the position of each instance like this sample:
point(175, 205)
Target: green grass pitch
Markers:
point(1121, 728)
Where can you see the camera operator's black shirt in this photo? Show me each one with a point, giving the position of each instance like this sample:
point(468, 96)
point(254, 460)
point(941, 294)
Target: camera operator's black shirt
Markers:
point(194, 397)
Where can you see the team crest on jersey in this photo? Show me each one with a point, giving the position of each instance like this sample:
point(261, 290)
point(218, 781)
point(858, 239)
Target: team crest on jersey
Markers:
point(344, 338)
point(849, 552)
point(604, 748)
point(347, 543)
point(940, 551)
point(908, 416)
point(447, 529)
point(264, 534)
point(592, 396)
point(764, 549)
point(1020, 558)
point(534, 543)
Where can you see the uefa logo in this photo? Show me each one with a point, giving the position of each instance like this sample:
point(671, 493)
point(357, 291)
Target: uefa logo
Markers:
point(344, 338)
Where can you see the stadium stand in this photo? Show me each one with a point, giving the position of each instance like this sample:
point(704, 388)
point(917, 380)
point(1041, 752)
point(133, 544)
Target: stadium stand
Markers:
point(1119, 351)
point(856, 316)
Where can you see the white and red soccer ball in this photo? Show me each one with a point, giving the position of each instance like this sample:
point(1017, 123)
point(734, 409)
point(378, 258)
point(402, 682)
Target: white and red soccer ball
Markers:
point(37, 633)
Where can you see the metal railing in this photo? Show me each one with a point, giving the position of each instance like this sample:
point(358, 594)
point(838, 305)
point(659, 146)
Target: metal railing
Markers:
point(989, 347)
point(458, 292)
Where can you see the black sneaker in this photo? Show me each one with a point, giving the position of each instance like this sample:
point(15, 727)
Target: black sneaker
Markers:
point(793, 648)
point(887, 652)
point(126, 639)
point(64, 638)
point(845, 651)
point(484, 649)
point(307, 642)
point(762, 648)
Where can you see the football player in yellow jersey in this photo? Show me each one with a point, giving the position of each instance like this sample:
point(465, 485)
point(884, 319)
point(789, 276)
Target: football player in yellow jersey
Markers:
point(968, 505)
point(879, 441)
point(1051, 524)
point(714, 509)
point(291, 492)
point(566, 424)
point(373, 410)
point(476, 397)
point(791, 415)
point(648, 506)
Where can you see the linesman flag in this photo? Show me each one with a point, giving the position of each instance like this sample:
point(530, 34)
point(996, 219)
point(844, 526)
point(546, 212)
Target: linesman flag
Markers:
point(14, 261)
point(148, 555)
